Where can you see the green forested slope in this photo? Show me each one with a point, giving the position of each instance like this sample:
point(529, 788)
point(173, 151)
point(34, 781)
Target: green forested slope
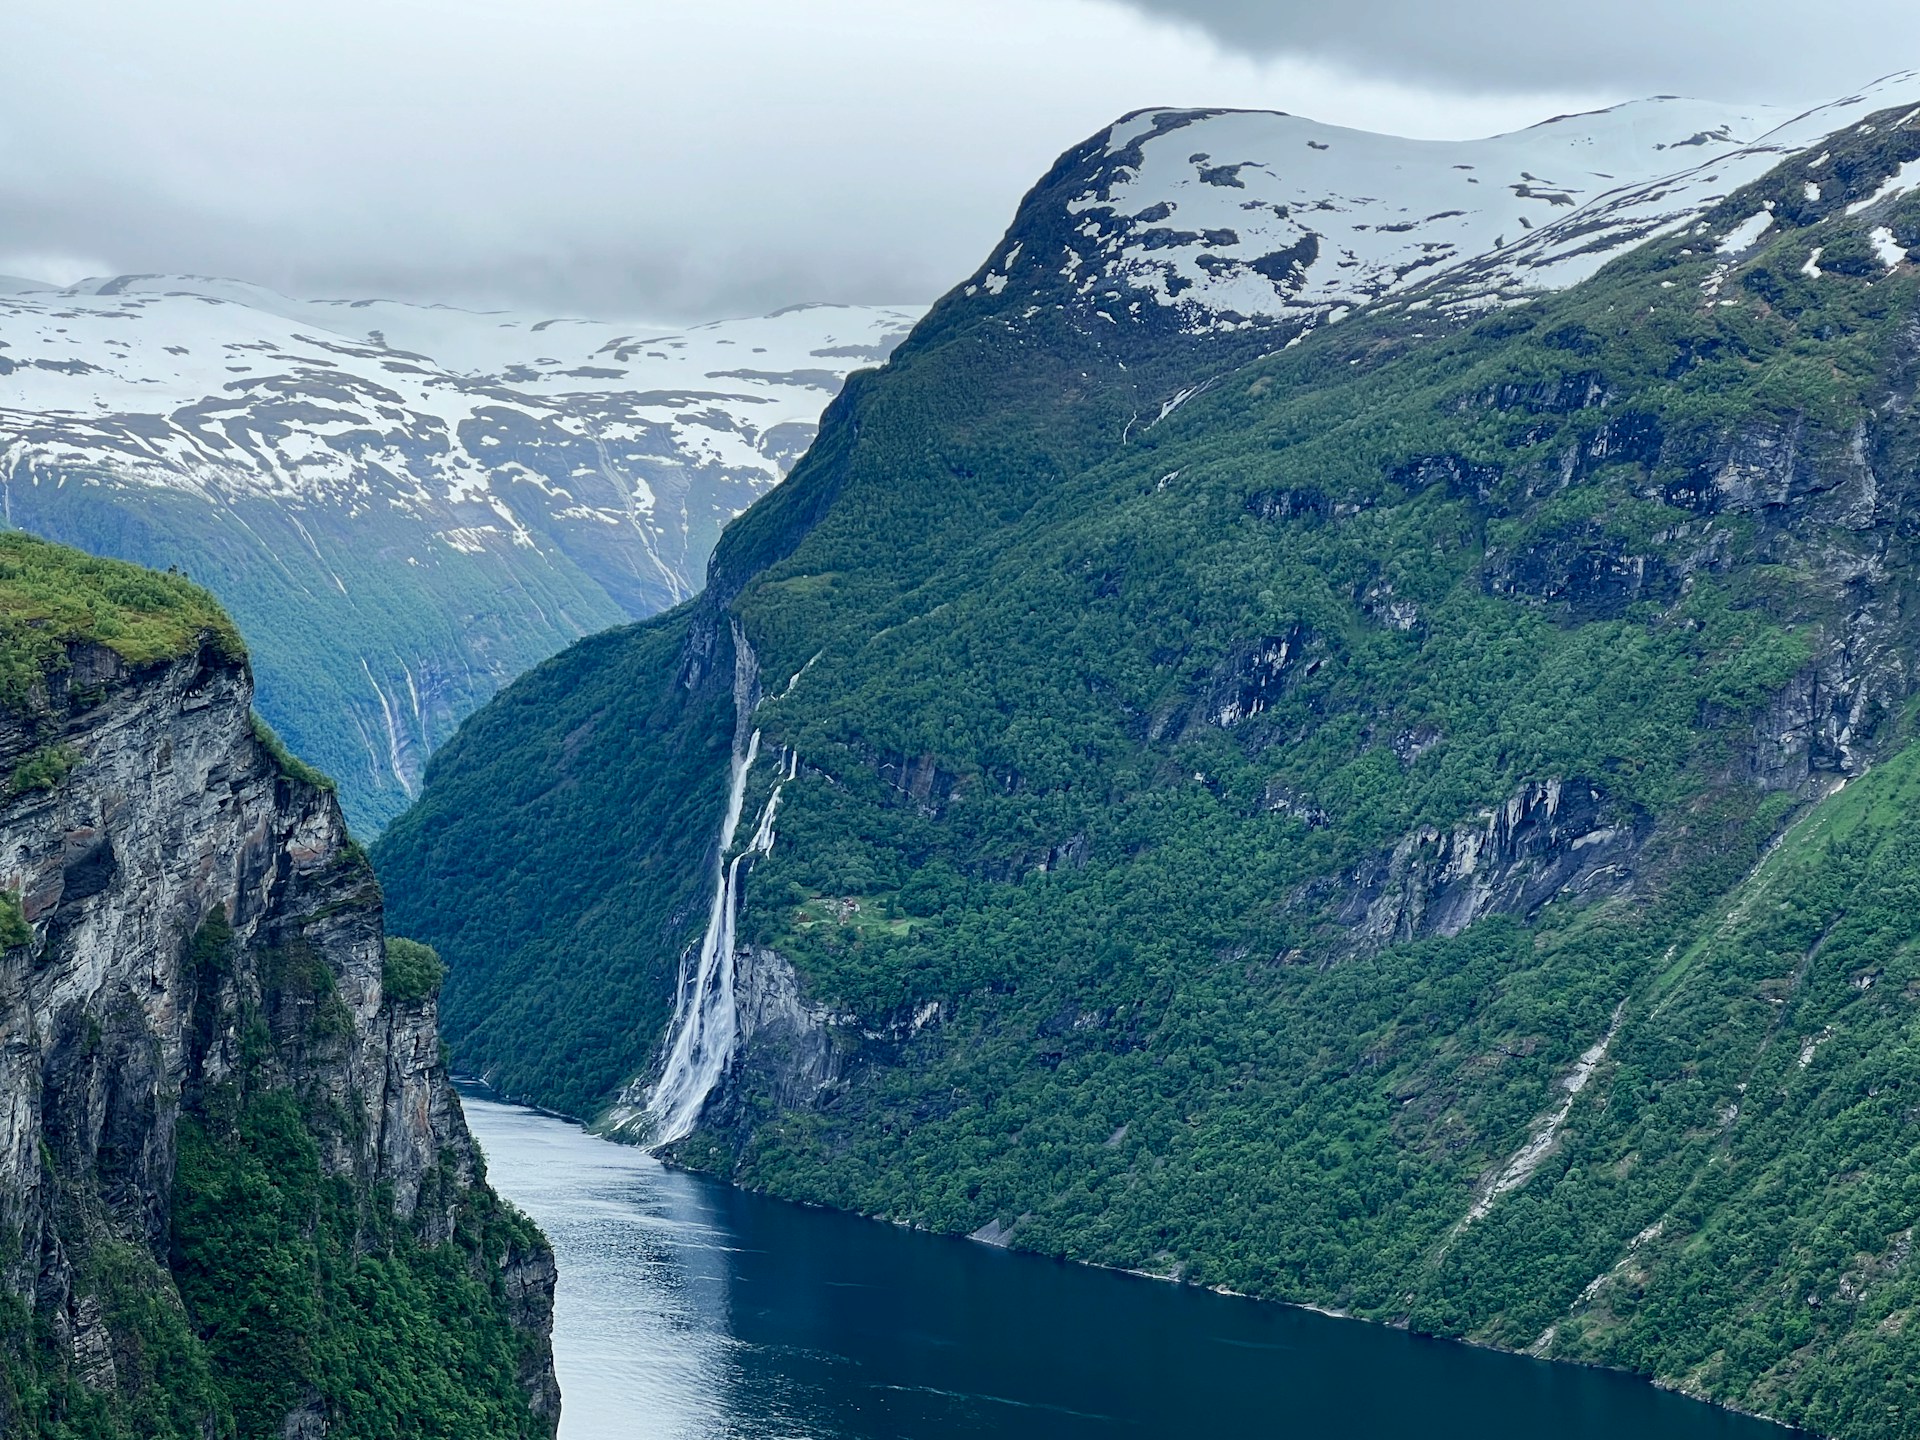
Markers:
point(1755, 1146)
point(589, 936)
point(1225, 849)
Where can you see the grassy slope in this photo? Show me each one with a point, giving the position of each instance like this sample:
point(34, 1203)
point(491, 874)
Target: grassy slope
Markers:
point(51, 597)
point(1157, 1058)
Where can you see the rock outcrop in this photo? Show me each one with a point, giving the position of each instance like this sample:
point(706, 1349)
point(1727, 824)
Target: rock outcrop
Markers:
point(786, 1042)
point(1548, 840)
point(194, 927)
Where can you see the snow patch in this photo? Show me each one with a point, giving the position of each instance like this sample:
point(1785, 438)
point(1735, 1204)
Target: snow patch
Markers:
point(1744, 235)
point(458, 420)
point(1285, 219)
point(1898, 183)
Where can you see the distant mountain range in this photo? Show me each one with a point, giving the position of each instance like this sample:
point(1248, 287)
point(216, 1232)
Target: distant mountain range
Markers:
point(404, 505)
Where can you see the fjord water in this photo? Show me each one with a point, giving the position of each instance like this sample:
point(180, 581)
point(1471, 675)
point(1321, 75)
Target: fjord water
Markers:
point(691, 1310)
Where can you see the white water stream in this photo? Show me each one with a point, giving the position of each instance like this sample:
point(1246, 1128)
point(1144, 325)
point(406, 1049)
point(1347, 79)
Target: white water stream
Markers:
point(705, 1024)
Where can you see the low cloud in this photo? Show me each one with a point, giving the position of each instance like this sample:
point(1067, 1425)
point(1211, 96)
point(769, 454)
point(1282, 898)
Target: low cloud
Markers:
point(643, 158)
point(1753, 50)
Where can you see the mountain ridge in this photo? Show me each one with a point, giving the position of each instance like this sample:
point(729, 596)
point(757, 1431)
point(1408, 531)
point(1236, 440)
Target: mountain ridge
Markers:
point(1521, 244)
point(1307, 837)
point(401, 534)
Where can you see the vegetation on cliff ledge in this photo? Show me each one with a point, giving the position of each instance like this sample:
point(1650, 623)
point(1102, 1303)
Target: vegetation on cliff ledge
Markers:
point(412, 971)
point(52, 596)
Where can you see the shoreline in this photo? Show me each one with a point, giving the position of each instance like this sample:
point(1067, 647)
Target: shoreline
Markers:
point(468, 1084)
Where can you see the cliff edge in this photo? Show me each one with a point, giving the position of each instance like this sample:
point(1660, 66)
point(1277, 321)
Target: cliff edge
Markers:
point(237, 1194)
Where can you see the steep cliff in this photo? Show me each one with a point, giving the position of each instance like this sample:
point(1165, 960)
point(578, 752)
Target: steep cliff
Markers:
point(237, 1196)
point(1292, 816)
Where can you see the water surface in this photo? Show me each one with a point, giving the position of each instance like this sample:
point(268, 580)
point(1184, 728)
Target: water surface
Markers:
point(691, 1311)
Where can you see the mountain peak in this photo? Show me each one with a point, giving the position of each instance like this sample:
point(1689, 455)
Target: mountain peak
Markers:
point(1217, 220)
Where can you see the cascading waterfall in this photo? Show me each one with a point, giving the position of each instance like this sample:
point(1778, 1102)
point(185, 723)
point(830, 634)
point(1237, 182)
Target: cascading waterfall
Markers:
point(705, 1025)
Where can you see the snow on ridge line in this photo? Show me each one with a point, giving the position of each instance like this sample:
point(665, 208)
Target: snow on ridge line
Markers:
point(157, 370)
point(619, 445)
point(1233, 217)
point(551, 354)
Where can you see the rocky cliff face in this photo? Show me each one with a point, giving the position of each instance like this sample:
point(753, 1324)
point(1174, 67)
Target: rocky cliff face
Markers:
point(195, 931)
point(1548, 841)
point(788, 1047)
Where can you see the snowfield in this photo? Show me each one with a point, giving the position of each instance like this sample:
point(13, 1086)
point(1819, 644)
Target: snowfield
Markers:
point(1239, 219)
point(217, 388)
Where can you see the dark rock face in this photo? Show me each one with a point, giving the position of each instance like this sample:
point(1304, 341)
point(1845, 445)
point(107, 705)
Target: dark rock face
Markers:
point(111, 1031)
point(1591, 573)
point(794, 1053)
point(1551, 839)
point(529, 1277)
point(1258, 675)
point(786, 1042)
point(1822, 724)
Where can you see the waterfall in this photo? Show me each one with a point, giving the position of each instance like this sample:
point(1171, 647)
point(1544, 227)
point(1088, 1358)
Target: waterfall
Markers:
point(705, 1026)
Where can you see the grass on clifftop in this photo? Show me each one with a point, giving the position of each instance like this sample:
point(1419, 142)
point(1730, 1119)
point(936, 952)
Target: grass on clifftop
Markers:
point(51, 596)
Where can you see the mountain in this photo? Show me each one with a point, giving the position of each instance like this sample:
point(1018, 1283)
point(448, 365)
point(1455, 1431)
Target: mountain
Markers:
point(235, 1183)
point(1222, 220)
point(404, 505)
point(1388, 791)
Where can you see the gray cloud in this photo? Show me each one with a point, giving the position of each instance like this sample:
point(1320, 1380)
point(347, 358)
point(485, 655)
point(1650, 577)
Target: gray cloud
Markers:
point(668, 159)
point(1762, 50)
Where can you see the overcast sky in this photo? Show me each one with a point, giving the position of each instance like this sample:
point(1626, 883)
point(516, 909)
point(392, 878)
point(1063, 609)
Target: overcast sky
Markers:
point(685, 159)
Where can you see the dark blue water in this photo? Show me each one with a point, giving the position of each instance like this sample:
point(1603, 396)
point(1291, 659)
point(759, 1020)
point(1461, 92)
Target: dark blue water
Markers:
point(687, 1309)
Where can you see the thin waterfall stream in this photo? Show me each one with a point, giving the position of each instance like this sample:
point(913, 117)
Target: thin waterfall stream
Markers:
point(705, 1023)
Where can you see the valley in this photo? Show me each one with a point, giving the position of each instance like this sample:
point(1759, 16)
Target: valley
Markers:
point(1292, 808)
point(1275, 796)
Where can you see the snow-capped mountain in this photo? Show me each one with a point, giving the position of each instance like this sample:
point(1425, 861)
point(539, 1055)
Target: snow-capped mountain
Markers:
point(639, 442)
point(1220, 221)
point(404, 505)
point(407, 505)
